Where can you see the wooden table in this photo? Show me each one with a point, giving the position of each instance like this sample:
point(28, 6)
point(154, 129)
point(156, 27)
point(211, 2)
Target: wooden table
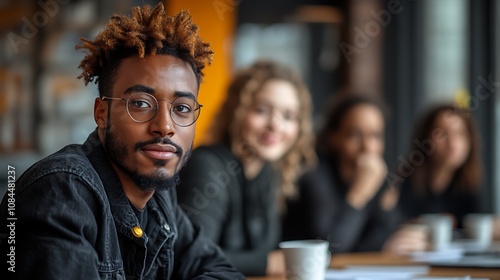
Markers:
point(342, 260)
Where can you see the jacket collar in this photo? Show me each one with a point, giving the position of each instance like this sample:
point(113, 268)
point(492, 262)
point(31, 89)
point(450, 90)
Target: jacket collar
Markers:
point(124, 217)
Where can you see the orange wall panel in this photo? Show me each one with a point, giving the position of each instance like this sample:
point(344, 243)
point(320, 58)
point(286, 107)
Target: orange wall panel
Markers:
point(217, 22)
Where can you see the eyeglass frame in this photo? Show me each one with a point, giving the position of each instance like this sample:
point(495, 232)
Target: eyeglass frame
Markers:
point(126, 100)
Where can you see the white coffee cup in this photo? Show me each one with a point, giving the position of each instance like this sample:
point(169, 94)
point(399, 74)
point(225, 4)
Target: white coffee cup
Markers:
point(440, 229)
point(479, 227)
point(305, 259)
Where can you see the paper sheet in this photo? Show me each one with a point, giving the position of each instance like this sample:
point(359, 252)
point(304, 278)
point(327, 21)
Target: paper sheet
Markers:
point(412, 272)
point(376, 272)
point(449, 254)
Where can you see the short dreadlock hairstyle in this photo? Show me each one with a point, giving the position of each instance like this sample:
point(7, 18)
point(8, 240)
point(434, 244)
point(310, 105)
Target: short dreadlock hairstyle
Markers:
point(147, 32)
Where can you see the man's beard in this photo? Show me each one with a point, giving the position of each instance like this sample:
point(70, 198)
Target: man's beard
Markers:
point(158, 180)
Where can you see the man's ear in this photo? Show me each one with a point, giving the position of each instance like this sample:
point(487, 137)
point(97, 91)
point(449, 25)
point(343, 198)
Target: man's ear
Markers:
point(100, 112)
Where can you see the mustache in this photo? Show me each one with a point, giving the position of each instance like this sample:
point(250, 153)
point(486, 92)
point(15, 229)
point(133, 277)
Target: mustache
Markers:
point(159, 140)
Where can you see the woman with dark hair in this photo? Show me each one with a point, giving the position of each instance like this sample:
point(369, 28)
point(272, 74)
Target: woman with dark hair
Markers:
point(236, 187)
point(343, 200)
point(447, 172)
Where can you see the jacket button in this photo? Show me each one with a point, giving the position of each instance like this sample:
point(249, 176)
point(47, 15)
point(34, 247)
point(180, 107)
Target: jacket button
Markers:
point(137, 231)
point(166, 227)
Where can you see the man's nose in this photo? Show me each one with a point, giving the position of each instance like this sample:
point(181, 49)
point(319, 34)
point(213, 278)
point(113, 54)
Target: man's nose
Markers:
point(162, 124)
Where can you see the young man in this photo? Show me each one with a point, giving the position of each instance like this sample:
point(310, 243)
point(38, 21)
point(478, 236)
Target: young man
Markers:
point(107, 209)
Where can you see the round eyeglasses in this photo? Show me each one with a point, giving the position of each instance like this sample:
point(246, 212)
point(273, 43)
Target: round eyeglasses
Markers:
point(143, 107)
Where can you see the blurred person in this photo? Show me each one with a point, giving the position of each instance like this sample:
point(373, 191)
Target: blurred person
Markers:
point(344, 199)
point(446, 172)
point(107, 209)
point(235, 187)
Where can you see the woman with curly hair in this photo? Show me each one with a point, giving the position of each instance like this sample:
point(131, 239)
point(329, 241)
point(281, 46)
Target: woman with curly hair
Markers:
point(261, 141)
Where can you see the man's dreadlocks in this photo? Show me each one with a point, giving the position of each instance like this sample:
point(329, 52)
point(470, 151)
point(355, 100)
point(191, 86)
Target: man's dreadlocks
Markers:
point(147, 32)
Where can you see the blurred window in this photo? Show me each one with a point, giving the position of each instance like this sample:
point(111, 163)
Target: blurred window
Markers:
point(446, 48)
point(282, 42)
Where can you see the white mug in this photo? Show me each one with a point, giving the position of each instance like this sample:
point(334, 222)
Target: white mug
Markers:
point(306, 259)
point(479, 227)
point(440, 229)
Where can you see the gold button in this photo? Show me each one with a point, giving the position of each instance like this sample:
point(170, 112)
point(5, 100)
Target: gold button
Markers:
point(166, 227)
point(137, 231)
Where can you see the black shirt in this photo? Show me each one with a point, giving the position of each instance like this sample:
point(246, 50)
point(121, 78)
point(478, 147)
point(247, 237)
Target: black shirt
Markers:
point(458, 204)
point(239, 214)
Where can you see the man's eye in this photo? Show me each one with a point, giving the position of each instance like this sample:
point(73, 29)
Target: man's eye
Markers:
point(141, 104)
point(182, 108)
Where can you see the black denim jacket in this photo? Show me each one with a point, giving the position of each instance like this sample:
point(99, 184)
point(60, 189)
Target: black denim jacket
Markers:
point(73, 221)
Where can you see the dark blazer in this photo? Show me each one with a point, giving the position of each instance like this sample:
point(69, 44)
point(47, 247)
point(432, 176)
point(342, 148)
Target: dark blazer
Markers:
point(238, 214)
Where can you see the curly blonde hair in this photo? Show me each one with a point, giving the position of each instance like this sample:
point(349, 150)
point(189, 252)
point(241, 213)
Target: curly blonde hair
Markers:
point(227, 126)
point(147, 32)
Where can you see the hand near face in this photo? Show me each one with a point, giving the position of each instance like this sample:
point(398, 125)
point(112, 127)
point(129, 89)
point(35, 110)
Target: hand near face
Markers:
point(368, 178)
point(359, 145)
